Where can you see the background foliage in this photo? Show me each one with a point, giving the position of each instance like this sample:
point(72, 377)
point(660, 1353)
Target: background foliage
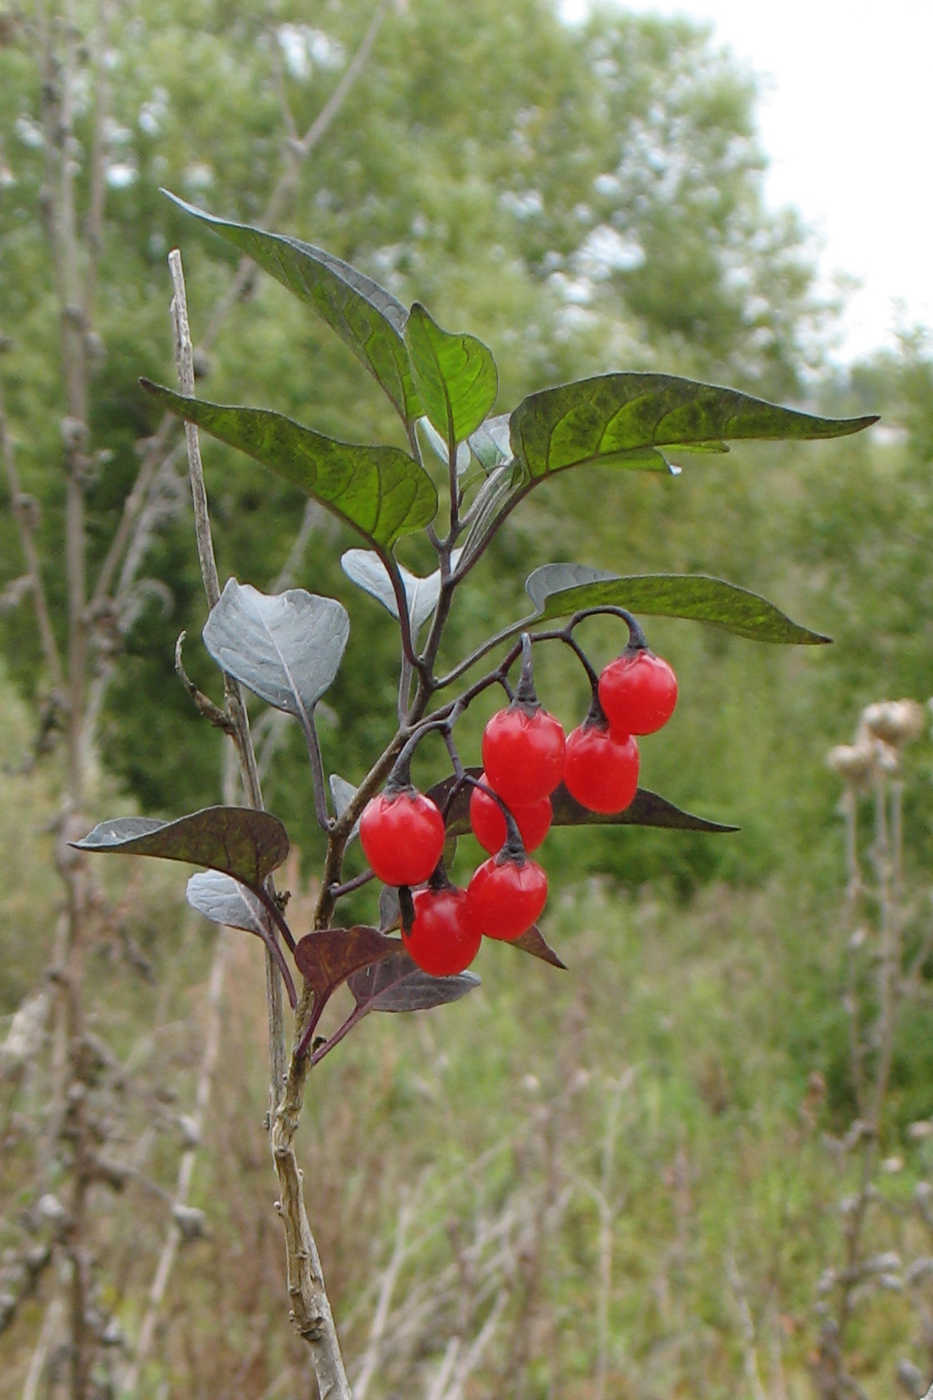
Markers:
point(581, 199)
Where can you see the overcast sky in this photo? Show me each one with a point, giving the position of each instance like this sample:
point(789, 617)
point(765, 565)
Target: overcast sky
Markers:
point(846, 117)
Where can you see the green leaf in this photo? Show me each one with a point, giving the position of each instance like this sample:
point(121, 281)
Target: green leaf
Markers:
point(560, 589)
point(456, 375)
point(622, 419)
point(366, 317)
point(381, 491)
point(238, 841)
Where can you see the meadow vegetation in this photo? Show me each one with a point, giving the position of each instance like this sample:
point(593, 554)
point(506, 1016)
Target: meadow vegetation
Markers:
point(633, 1180)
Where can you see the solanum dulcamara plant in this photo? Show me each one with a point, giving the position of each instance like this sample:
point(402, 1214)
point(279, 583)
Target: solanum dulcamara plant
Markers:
point(461, 472)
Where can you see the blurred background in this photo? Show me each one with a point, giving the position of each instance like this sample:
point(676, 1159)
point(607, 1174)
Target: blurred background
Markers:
point(638, 1178)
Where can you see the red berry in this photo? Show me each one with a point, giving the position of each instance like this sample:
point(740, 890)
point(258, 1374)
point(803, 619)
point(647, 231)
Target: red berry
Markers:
point(523, 754)
point(638, 692)
point(600, 769)
point(402, 834)
point(488, 823)
point(443, 939)
point(506, 896)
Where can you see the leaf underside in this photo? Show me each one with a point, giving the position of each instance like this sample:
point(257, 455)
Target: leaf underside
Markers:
point(286, 647)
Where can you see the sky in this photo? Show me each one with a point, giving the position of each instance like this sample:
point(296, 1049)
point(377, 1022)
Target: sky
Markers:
point(846, 118)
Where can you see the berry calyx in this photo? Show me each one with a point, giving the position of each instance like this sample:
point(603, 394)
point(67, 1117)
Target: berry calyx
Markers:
point(443, 938)
point(638, 691)
point(488, 822)
point(402, 835)
point(506, 896)
point(601, 767)
point(523, 753)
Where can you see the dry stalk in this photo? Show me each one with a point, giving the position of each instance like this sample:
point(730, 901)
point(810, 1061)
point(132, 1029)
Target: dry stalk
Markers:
point(875, 929)
point(310, 1307)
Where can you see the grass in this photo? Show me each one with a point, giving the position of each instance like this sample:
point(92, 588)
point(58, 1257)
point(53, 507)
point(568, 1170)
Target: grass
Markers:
point(609, 1183)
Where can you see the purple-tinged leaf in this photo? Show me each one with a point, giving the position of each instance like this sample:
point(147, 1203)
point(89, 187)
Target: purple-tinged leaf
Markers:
point(224, 900)
point(533, 941)
point(239, 841)
point(326, 958)
point(286, 647)
point(398, 984)
point(390, 914)
point(648, 809)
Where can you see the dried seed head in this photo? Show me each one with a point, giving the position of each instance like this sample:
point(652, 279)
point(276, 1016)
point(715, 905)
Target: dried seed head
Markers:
point(894, 722)
point(853, 762)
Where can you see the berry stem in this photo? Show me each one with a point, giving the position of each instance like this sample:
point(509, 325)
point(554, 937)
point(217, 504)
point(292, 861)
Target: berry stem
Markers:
point(525, 694)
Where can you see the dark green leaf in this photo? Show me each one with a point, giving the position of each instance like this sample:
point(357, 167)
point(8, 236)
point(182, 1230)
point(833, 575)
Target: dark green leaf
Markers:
point(239, 841)
point(560, 589)
point(622, 419)
point(286, 648)
point(381, 491)
point(456, 375)
point(398, 984)
point(366, 317)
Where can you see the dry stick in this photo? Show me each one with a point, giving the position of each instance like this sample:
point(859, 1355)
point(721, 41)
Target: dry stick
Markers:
point(400, 1250)
point(75, 296)
point(186, 1164)
point(24, 510)
point(310, 1306)
point(236, 708)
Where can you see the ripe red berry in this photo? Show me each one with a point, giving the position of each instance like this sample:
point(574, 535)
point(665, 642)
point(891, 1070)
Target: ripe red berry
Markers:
point(506, 896)
point(488, 822)
point(638, 692)
point(601, 769)
point(523, 754)
point(443, 939)
point(402, 834)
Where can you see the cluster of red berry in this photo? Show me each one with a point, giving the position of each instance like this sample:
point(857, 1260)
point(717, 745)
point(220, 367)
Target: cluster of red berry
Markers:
point(526, 755)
